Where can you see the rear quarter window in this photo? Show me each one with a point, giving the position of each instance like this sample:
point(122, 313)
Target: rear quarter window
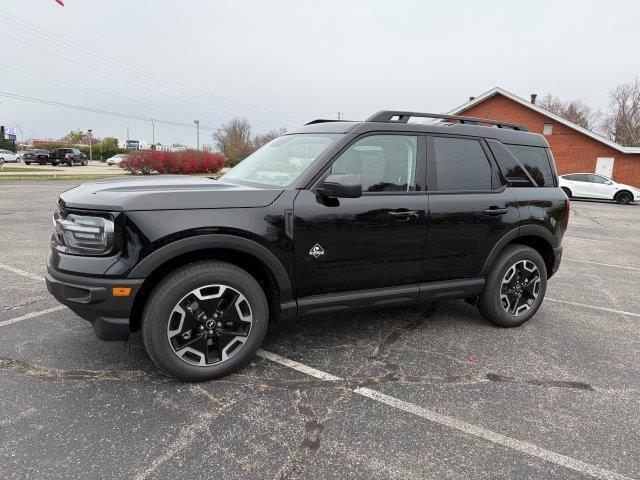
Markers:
point(536, 161)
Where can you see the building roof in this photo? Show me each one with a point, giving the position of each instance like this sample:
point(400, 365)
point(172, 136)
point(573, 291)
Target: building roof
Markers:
point(542, 111)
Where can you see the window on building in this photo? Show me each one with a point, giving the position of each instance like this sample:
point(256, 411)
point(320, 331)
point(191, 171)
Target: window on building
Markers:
point(461, 164)
point(547, 129)
point(383, 163)
point(536, 161)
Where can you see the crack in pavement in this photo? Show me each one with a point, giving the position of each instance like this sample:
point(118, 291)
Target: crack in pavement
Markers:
point(50, 373)
point(396, 377)
point(580, 214)
point(310, 444)
point(188, 434)
point(24, 304)
point(384, 347)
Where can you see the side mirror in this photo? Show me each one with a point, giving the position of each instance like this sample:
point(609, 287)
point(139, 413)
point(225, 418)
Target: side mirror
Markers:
point(341, 186)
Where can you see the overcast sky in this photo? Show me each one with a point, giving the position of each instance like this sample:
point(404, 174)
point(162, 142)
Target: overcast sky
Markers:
point(280, 63)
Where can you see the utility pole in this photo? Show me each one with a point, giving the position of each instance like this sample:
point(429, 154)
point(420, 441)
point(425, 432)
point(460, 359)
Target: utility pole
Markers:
point(197, 122)
point(153, 130)
point(339, 115)
point(90, 149)
point(127, 144)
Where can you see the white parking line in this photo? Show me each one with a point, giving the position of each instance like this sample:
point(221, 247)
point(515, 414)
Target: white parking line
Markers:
point(31, 315)
point(24, 273)
point(454, 423)
point(601, 264)
point(594, 307)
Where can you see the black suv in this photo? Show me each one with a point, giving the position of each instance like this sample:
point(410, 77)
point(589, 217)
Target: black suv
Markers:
point(332, 216)
point(70, 156)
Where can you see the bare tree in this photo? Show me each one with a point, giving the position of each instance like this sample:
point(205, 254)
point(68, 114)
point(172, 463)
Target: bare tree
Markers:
point(575, 111)
point(622, 124)
point(264, 138)
point(233, 140)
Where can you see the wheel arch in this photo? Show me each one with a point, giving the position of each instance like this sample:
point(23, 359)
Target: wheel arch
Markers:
point(624, 190)
point(257, 260)
point(534, 236)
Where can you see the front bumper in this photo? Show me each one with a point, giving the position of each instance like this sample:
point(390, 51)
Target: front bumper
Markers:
point(92, 299)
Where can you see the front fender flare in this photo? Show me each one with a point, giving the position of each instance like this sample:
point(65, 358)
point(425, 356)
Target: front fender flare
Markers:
point(213, 241)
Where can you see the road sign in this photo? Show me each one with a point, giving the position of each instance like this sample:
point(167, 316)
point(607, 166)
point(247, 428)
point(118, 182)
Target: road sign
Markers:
point(133, 144)
point(11, 137)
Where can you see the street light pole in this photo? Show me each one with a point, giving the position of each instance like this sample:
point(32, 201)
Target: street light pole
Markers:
point(90, 149)
point(197, 122)
point(21, 133)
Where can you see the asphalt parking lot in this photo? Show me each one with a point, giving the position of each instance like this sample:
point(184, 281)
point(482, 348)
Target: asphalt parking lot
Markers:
point(409, 393)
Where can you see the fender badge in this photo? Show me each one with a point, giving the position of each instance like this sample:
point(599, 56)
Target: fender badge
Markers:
point(316, 251)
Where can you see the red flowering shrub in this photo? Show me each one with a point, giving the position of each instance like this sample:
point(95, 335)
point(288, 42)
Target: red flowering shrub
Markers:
point(144, 162)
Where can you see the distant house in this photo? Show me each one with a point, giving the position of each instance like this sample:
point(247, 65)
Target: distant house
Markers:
point(574, 148)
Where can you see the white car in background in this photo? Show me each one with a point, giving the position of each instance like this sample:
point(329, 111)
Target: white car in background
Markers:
point(116, 159)
point(593, 185)
point(8, 156)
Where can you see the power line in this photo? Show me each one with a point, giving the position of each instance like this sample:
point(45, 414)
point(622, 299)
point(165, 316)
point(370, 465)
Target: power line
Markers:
point(109, 74)
point(75, 85)
point(97, 110)
point(134, 71)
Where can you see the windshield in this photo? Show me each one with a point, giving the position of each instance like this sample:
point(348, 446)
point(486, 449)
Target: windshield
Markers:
point(282, 160)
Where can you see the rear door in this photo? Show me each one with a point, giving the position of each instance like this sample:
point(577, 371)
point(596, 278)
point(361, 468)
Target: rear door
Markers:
point(469, 208)
point(580, 185)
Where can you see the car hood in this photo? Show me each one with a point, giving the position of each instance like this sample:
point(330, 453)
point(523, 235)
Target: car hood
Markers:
point(165, 192)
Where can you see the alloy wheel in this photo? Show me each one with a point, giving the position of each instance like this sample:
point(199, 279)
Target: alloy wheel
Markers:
point(520, 287)
point(209, 325)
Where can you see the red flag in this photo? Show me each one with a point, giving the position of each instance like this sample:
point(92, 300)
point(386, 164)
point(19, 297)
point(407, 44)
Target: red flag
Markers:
point(60, 2)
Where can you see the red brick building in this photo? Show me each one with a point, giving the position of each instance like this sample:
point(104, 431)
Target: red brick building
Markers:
point(574, 148)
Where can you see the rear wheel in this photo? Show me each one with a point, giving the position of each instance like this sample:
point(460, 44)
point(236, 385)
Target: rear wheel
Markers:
point(27, 163)
point(204, 320)
point(515, 287)
point(623, 198)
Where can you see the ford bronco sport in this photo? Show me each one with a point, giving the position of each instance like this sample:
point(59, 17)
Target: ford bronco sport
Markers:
point(332, 216)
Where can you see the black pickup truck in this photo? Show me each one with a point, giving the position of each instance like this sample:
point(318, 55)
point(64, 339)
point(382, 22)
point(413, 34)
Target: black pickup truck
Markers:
point(331, 216)
point(68, 156)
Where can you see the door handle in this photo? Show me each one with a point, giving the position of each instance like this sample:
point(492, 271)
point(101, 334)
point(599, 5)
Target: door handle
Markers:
point(495, 211)
point(405, 213)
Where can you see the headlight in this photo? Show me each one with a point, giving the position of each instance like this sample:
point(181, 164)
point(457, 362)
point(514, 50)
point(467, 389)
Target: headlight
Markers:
point(83, 234)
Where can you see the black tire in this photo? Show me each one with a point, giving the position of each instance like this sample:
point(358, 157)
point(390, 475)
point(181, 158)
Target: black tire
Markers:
point(42, 162)
point(490, 303)
point(169, 292)
point(567, 192)
point(27, 163)
point(623, 198)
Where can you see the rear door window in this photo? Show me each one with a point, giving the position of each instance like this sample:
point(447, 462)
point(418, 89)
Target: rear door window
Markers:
point(536, 161)
point(461, 164)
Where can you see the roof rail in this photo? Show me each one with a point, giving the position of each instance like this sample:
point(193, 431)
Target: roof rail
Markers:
point(403, 117)
point(322, 120)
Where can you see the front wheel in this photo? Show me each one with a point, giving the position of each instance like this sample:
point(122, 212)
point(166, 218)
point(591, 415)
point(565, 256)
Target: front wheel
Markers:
point(27, 163)
point(515, 287)
point(204, 320)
